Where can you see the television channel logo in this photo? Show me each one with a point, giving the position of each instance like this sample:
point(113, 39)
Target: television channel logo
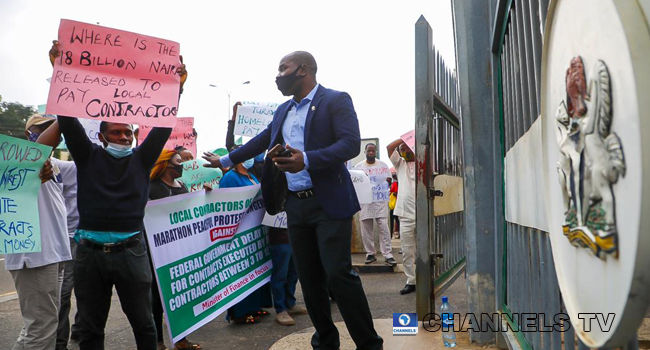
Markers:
point(405, 323)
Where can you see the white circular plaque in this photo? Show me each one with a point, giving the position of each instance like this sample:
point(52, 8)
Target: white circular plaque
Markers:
point(596, 134)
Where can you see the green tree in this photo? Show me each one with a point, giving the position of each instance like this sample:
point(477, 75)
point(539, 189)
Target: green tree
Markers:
point(13, 116)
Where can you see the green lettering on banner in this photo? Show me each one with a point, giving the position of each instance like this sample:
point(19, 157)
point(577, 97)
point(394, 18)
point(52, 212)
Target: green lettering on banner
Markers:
point(190, 286)
point(209, 251)
point(20, 164)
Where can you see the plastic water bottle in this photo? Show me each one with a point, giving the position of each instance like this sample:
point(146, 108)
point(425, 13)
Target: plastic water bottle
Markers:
point(447, 315)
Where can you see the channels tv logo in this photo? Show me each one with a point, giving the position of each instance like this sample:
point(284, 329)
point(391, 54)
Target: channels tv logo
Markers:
point(405, 324)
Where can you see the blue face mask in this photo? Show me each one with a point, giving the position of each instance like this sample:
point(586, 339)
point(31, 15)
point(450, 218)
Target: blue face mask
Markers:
point(118, 151)
point(248, 164)
point(33, 136)
point(260, 157)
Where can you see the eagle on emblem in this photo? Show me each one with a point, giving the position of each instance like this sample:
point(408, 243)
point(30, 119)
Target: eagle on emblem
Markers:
point(591, 159)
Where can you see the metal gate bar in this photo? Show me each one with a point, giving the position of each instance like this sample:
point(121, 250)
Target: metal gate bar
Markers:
point(531, 282)
point(440, 239)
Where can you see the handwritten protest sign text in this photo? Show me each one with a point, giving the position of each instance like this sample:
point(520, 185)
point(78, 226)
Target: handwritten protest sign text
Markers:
point(279, 220)
point(377, 174)
point(182, 135)
point(362, 186)
point(195, 175)
point(409, 140)
point(252, 118)
point(20, 164)
point(114, 75)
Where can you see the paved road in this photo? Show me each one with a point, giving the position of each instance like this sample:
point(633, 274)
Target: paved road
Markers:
point(381, 289)
point(6, 283)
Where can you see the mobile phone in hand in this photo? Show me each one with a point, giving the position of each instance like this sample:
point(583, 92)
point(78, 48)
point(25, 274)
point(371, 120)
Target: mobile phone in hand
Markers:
point(278, 151)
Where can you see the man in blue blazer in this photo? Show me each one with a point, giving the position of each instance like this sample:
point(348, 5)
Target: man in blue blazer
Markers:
point(319, 128)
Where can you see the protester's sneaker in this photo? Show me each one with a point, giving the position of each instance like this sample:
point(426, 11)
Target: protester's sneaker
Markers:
point(161, 346)
point(297, 310)
point(391, 262)
point(284, 319)
point(409, 288)
point(370, 259)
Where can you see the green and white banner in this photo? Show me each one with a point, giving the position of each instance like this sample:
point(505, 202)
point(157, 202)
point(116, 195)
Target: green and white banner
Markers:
point(209, 251)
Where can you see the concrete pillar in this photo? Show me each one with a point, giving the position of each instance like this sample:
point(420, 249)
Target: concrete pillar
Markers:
point(482, 154)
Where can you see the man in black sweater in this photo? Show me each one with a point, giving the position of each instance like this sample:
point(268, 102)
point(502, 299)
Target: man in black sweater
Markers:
point(113, 189)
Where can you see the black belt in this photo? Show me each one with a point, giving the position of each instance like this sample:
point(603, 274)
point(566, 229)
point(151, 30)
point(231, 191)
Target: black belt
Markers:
point(303, 194)
point(112, 247)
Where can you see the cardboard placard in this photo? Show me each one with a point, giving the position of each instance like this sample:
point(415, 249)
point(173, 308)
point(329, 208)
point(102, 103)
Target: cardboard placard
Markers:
point(112, 75)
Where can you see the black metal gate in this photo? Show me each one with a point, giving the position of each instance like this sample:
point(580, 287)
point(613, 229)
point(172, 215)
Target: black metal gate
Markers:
point(530, 281)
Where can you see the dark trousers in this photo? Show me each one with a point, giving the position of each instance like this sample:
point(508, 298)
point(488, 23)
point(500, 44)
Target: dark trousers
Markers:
point(284, 278)
point(63, 329)
point(157, 308)
point(95, 274)
point(321, 250)
point(394, 223)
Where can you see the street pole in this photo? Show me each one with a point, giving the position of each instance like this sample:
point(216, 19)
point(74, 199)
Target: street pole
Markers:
point(247, 82)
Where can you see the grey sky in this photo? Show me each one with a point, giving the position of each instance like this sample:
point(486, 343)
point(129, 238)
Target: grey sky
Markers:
point(363, 47)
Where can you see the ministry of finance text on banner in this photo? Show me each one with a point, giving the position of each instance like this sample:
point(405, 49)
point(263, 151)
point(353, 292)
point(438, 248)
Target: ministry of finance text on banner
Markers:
point(113, 75)
point(209, 251)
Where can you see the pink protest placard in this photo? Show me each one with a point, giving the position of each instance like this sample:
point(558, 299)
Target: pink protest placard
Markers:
point(111, 75)
point(182, 135)
point(409, 140)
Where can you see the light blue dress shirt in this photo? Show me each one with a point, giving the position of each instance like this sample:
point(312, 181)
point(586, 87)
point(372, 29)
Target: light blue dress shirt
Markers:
point(293, 133)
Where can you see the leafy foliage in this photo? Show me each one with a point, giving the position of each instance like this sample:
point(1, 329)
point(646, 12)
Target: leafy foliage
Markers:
point(13, 116)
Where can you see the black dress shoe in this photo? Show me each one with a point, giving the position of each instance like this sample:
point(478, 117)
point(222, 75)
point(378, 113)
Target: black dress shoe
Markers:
point(409, 288)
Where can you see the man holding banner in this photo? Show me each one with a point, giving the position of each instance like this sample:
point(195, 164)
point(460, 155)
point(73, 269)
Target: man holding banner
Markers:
point(113, 188)
point(37, 273)
point(377, 172)
point(258, 165)
point(320, 129)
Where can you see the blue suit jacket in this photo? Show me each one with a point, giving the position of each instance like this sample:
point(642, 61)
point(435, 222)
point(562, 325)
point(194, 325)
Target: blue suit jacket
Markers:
point(331, 138)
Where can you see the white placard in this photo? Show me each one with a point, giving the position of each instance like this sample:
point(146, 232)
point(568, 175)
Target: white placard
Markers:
point(362, 186)
point(92, 129)
point(377, 173)
point(252, 119)
point(279, 220)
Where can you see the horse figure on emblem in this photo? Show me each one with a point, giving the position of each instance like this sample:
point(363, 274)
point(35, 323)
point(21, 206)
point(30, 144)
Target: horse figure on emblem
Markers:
point(591, 160)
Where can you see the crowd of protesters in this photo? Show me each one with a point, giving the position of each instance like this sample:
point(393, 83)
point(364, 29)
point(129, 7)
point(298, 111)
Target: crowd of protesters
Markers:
point(91, 212)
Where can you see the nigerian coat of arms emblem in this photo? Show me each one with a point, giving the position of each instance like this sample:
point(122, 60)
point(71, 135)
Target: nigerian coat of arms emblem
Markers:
point(591, 159)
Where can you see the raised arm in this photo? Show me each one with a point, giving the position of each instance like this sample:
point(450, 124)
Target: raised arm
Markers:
point(51, 136)
point(255, 146)
point(230, 136)
point(153, 145)
point(346, 132)
point(76, 139)
point(393, 145)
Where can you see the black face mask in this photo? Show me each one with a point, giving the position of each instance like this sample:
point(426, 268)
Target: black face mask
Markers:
point(285, 82)
point(178, 168)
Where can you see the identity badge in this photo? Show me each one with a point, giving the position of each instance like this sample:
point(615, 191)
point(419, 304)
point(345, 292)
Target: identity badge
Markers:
point(405, 324)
